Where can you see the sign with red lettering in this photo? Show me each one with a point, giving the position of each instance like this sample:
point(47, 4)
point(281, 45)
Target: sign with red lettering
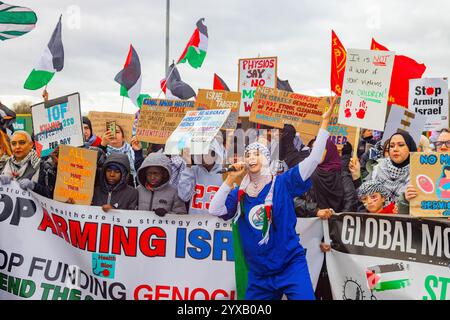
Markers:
point(253, 73)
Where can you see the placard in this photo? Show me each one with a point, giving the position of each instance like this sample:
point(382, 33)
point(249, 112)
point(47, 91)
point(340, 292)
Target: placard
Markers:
point(366, 88)
point(99, 120)
point(158, 118)
point(76, 175)
point(196, 131)
point(253, 73)
point(429, 97)
point(220, 99)
point(56, 122)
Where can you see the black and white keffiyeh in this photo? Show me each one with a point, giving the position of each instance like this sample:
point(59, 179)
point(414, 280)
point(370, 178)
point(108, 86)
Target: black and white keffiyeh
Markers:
point(373, 186)
point(393, 178)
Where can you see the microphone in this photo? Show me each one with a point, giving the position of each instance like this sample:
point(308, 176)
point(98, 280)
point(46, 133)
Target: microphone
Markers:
point(227, 169)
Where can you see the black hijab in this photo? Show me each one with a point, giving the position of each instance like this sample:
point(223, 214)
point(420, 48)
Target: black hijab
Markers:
point(412, 147)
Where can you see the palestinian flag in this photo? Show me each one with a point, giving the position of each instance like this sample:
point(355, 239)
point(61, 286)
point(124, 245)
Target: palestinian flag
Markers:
point(130, 78)
point(15, 21)
point(388, 277)
point(284, 85)
point(51, 61)
point(219, 84)
point(195, 51)
point(174, 87)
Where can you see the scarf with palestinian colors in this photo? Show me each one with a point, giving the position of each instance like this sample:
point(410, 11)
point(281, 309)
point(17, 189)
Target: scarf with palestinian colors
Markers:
point(24, 168)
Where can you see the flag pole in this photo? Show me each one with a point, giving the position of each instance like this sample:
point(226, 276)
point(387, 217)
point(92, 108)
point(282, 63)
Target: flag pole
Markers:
point(167, 79)
point(123, 99)
point(167, 34)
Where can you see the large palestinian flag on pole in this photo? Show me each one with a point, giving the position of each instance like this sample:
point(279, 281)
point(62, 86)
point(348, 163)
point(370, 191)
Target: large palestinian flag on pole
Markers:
point(51, 61)
point(195, 51)
point(15, 21)
point(130, 78)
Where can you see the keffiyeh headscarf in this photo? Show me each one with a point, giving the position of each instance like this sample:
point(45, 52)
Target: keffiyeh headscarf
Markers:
point(372, 186)
point(253, 183)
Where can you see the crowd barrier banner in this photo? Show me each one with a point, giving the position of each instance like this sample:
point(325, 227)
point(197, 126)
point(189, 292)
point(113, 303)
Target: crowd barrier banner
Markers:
point(388, 257)
point(51, 250)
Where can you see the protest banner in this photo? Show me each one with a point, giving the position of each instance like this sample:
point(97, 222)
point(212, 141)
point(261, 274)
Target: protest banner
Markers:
point(404, 120)
point(99, 120)
point(220, 99)
point(430, 175)
point(429, 97)
point(24, 122)
point(56, 251)
point(366, 88)
point(253, 73)
point(387, 257)
point(196, 131)
point(158, 118)
point(76, 175)
point(56, 122)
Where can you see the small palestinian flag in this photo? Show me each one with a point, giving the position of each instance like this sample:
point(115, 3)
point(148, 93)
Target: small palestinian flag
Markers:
point(15, 21)
point(174, 87)
point(219, 84)
point(195, 51)
point(130, 78)
point(387, 277)
point(51, 61)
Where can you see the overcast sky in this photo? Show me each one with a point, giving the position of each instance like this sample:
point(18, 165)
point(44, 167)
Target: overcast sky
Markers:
point(97, 34)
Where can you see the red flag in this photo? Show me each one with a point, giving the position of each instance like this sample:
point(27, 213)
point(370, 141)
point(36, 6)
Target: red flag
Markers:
point(219, 84)
point(338, 56)
point(404, 69)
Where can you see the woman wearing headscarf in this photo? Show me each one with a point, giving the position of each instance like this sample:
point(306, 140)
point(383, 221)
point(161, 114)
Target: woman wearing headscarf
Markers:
point(393, 172)
point(276, 261)
point(24, 162)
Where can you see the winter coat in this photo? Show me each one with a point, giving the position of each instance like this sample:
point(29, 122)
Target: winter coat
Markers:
point(163, 197)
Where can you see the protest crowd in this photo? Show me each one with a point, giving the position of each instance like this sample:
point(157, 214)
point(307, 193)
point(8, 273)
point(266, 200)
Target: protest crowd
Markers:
point(282, 170)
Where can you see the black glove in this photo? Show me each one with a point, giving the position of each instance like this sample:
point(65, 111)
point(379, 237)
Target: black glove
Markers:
point(161, 212)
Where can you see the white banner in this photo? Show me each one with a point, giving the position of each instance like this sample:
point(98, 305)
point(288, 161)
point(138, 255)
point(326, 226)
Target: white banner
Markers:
point(388, 257)
point(56, 251)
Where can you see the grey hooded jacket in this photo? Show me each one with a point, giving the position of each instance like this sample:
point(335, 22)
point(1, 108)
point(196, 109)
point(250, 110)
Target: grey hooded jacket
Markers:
point(162, 197)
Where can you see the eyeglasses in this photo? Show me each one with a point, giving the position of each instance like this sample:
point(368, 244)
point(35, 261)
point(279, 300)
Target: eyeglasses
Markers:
point(439, 144)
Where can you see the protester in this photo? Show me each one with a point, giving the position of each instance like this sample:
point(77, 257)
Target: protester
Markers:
point(45, 186)
point(117, 144)
point(393, 172)
point(91, 140)
point(198, 183)
point(155, 191)
point(24, 163)
point(289, 152)
point(376, 198)
point(276, 260)
point(5, 149)
point(114, 191)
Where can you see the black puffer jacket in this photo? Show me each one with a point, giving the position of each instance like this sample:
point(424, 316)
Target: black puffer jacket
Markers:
point(120, 196)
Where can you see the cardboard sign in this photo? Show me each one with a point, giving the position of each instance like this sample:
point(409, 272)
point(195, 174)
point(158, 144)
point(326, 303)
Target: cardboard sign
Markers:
point(76, 175)
point(275, 107)
point(253, 73)
point(366, 88)
point(56, 122)
point(430, 175)
point(401, 120)
point(24, 122)
point(429, 97)
point(99, 120)
point(158, 118)
point(196, 131)
point(219, 99)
